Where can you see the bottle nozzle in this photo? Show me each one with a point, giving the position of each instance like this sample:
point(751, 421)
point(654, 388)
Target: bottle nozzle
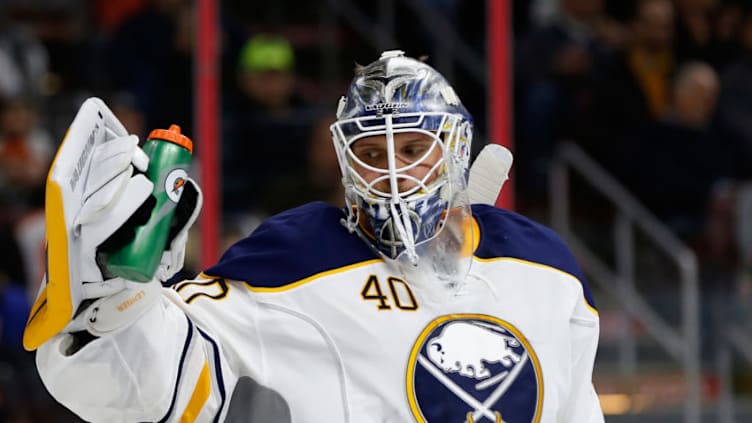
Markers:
point(173, 135)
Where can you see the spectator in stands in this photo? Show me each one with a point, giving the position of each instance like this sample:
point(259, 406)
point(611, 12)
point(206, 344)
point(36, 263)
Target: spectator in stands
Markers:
point(26, 151)
point(148, 56)
point(731, 234)
point(109, 15)
point(125, 106)
point(727, 22)
point(735, 107)
point(265, 118)
point(173, 95)
point(637, 89)
point(323, 167)
point(319, 180)
point(694, 29)
point(24, 61)
point(266, 75)
point(555, 69)
point(678, 160)
point(705, 30)
point(25, 154)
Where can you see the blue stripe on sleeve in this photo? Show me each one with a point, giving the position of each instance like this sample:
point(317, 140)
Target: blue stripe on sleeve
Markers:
point(507, 234)
point(183, 354)
point(217, 372)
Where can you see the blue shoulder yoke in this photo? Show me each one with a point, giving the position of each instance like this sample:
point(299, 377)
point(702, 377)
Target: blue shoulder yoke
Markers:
point(310, 239)
point(507, 234)
point(291, 246)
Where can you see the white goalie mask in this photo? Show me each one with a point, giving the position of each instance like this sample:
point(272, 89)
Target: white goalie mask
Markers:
point(403, 140)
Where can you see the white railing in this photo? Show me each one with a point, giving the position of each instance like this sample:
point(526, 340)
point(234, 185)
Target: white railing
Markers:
point(681, 344)
point(735, 342)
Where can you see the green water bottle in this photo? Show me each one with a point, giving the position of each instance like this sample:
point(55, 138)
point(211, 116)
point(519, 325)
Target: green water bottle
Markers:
point(169, 154)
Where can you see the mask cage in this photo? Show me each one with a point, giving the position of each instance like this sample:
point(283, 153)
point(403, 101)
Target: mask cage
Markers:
point(441, 127)
point(401, 220)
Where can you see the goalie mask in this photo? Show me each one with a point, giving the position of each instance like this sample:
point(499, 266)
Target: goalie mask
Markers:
point(403, 142)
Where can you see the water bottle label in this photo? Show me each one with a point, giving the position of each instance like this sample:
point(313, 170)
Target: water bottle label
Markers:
point(174, 184)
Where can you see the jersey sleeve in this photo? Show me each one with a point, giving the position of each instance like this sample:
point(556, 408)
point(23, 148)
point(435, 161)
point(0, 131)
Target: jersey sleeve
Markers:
point(186, 357)
point(507, 234)
point(583, 405)
point(162, 368)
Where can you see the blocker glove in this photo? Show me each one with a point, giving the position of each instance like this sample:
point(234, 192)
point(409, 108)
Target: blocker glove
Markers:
point(96, 194)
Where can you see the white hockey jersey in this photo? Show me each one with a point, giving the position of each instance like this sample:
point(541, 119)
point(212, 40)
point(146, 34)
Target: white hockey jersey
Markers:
point(301, 322)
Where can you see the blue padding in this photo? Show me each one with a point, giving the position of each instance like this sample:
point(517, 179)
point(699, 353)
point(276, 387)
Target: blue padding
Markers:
point(291, 246)
point(507, 234)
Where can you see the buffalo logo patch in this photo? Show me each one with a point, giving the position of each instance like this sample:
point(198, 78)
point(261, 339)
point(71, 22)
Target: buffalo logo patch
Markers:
point(474, 368)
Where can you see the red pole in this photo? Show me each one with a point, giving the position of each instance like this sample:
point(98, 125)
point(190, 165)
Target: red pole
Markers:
point(498, 44)
point(207, 126)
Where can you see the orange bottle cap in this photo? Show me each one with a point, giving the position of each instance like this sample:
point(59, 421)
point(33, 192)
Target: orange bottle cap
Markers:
point(173, 135)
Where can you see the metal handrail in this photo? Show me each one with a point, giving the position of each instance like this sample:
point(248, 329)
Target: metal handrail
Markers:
point(735, 340)
point(682, 345)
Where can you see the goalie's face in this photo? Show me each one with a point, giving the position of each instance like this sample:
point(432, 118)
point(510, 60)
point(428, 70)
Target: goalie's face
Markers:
point(398, 179)
point(403, 141)
point(415, 157)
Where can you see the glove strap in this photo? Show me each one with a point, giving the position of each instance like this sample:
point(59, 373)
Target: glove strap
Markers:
point(115, 312)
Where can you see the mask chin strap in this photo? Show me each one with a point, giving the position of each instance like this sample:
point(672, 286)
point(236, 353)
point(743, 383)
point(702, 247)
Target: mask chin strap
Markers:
point(400, 218)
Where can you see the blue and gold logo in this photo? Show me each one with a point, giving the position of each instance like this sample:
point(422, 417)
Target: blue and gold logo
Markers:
point(474, 368)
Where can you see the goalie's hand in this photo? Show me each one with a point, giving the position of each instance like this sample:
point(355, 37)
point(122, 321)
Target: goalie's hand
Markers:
point(117, 302)
point(116, 200)
point(94, 186)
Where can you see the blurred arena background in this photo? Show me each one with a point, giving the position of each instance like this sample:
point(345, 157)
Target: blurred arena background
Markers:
point(631, 124)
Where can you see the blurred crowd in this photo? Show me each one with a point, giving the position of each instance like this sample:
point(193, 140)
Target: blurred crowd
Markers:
point(657, 91)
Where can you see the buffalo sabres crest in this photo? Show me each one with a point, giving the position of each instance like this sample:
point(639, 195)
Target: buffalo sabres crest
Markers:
point(474, 368)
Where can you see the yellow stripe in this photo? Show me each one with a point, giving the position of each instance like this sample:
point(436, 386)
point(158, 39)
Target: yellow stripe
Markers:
point(50, 317)
point(201, 275)
point(302, 281)
point(542, 266)
point(37, 332)
point(199, 396)
point(474, 230)
point(472, 234)
point(475, 238)
point(311, 278)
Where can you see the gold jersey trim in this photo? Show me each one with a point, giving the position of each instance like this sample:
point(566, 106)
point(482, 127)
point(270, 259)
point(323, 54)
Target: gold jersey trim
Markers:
point(543, 266)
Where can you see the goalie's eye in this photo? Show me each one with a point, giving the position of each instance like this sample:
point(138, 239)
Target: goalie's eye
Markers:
point(372, 155)
point(413, 149)
point(372, 151)
point(409, 148)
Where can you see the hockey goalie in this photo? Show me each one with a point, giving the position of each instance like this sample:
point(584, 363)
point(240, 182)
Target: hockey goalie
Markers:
point(412, 304)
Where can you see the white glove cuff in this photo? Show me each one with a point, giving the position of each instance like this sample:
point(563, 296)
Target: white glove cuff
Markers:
point(118, 311)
